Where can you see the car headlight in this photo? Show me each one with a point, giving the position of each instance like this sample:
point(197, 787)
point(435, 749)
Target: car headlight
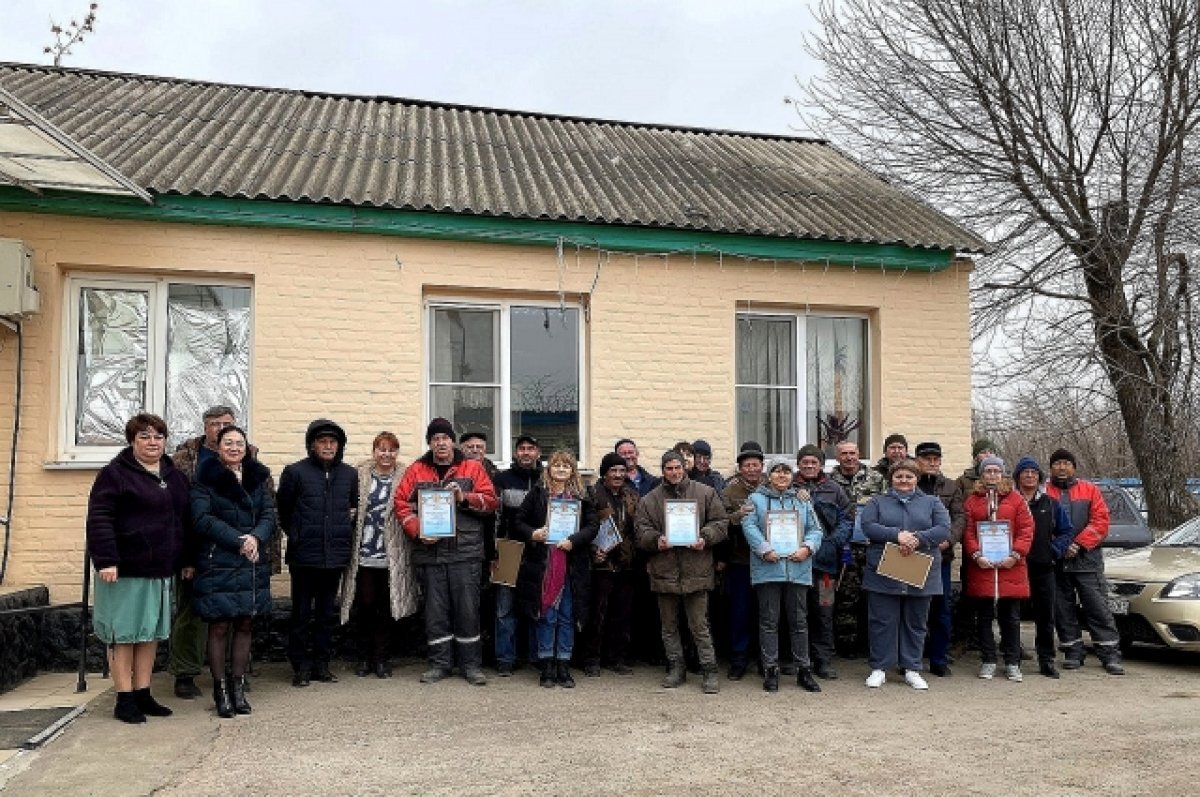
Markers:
point(1183, 587)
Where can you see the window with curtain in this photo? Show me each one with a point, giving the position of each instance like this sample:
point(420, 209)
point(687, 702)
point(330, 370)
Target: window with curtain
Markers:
point(784, 401)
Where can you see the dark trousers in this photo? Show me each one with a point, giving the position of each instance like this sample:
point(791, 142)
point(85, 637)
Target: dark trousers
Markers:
point(314, 615)
point(606, 636)
point(820, 619)
point(695, 605)
point(793, 601)
point(739, 595)
point(1007, 611)
point(896, 630)
point(941, 621)
point(1043, 596)
point(452, 614)
point(188, 633)
point(372, 613)
point(646, 628)
point(1089, 589)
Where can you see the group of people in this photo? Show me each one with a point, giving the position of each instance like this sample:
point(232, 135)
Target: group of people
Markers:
point(796, 547)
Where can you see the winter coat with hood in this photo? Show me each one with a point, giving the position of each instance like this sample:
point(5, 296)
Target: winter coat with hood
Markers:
point(835, 512)
point(224, 509)
point(882, 521)
point(997, 582)
point(680, 570)
point(766, 499)
point(531, 517)
point(470, 516)
point(402, 582)
point(1089, 517)
point(136, 519)
point(316, 502)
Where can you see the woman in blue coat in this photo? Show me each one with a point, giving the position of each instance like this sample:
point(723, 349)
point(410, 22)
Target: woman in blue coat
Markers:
point(781, 577)
point(897, 612)
point(233, 519)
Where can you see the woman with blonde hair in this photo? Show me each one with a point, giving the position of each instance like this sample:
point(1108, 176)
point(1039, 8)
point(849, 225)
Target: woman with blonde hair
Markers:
point(555, 578)
point(378, 585)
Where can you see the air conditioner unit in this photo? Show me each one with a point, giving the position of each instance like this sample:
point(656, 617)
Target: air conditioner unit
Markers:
point(18, 296)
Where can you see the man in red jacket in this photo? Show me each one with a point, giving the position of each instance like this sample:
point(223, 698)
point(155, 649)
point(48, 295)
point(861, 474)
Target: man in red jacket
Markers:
point(449, 568)
point(1081, 576)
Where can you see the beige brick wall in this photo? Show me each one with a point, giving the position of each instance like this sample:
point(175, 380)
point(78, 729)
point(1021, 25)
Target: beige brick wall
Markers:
point(338, 332)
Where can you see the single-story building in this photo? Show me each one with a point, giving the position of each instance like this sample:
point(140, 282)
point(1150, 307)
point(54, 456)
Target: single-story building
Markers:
point(383, 261)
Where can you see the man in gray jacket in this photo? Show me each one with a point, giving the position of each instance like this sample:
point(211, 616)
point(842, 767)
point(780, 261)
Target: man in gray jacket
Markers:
point(681, 574)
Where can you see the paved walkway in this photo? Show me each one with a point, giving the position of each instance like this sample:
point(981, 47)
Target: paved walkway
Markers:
point(51, 690)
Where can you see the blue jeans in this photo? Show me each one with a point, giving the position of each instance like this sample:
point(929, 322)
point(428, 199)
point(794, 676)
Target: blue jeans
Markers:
point(739, 593)
point(555, 629)
point(506, 625)
point(941, 622)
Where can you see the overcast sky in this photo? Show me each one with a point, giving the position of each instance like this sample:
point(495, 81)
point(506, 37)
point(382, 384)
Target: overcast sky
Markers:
point(708, 63)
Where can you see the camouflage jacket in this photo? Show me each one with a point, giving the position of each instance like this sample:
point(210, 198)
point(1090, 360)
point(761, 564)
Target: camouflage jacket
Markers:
point(861, 487)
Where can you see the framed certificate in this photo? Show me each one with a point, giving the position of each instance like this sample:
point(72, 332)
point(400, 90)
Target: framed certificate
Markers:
point(785, 531)
point(995, 544)
point(435, 511)
point(608, 537)
point(682, 521)
point(562, 519)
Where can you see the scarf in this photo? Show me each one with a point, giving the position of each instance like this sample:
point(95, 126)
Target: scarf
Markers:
point(556, 571)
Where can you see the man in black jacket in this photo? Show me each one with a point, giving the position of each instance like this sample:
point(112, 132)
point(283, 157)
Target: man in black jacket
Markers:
point(318, 497)
point(941, 616)
point(511, 488)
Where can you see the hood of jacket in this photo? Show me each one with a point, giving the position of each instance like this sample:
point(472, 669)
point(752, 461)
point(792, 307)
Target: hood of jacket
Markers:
point(325, 426)
point(769, 491)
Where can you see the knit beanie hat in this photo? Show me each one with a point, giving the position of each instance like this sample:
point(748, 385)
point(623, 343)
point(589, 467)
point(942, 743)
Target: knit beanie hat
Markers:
point(895, 438)
point(779, 462)
point(1062, 454)
point(988, 461)
point(702, 448)
point(611, 460)
point(439, 426)
point(982, 444)
point(1028, 463)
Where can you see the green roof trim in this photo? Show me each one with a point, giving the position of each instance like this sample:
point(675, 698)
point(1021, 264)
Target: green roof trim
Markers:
point(462, 227)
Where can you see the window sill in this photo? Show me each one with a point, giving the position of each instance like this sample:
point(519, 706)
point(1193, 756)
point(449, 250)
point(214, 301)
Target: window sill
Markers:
point(74, 464)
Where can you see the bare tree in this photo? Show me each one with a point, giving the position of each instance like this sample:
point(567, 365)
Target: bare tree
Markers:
point(1066, 132)
point(74, 33)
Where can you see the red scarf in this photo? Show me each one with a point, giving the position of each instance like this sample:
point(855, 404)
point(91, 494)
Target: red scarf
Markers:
point(556, 571)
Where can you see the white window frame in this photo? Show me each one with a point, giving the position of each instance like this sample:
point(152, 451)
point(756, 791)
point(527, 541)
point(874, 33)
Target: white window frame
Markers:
point(501, 450)
point(158, 289)
point(800, 341)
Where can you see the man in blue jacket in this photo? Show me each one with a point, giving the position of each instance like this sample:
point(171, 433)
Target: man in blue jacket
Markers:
point(317, 501)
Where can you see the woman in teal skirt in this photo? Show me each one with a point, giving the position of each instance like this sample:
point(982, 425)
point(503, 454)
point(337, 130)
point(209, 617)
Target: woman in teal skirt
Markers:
point(135, 530)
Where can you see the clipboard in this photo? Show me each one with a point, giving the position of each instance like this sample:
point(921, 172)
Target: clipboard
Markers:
point(912, 570)
point(508, 562)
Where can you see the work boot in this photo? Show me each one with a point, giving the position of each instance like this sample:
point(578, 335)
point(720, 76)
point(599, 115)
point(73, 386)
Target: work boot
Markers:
point(737, 671)
point(805, 680)
point(1114, 667)
point(1048, 669)
point(676, 675)
point(148, 705)
point(127, 710)
point(564, 675)
point(548, 677)
point(383, 669)
point(186, 689)
point(771, 680)
point(363, 668)
point(222, 699)
point(475, 677)
point(825, 671)
point(435, 674)
point(504, 669)
point(302, 677)
point(1072, 663)
point(710, 684)
point(591, 670)
point(323, 674)
point(240, 704)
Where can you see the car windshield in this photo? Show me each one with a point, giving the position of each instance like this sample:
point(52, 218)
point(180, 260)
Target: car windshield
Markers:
point(1187, 534)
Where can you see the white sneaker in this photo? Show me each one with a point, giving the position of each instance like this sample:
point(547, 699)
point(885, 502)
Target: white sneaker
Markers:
point(1013, 673)
point(987, 670)
point(876, 679)
point(914, 679)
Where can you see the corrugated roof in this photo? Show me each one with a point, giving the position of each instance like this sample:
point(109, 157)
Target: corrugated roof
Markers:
point(175, 136)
